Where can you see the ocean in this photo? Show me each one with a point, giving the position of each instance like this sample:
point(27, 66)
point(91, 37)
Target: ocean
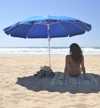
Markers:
point(44, 50)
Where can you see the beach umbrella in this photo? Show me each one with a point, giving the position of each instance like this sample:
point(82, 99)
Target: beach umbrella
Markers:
point(48, 27)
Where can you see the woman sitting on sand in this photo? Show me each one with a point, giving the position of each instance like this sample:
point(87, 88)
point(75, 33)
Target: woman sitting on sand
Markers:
point(74, 63)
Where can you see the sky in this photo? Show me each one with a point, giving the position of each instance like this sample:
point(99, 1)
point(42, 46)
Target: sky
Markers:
point(12, 11)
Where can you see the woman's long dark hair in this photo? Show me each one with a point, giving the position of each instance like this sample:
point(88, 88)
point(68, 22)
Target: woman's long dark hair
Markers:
point(76, 52)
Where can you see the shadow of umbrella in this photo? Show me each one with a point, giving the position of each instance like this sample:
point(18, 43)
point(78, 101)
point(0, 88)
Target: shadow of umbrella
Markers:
point(90, 84)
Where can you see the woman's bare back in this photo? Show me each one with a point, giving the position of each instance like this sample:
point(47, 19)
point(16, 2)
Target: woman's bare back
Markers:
point(73, 68)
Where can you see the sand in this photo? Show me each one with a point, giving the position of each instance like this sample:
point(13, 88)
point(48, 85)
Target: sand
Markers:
point(17, 70)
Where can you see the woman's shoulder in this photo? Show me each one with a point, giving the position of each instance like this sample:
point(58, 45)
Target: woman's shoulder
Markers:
point(67, 56)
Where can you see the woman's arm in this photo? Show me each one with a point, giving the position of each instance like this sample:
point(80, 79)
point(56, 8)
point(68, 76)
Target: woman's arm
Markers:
point(83, 67)
point(66, 68)
point(66, 63)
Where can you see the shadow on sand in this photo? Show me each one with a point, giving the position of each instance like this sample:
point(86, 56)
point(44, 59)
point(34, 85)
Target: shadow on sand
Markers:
point(81, 84)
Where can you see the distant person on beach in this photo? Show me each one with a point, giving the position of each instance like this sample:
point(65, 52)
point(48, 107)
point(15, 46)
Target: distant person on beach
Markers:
point(74, 62)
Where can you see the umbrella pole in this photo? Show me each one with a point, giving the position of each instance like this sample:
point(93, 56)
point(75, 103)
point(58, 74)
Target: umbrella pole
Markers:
point(49, 46)
point(49, 52)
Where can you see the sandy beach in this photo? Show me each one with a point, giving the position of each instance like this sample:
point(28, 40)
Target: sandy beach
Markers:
point(14, 95)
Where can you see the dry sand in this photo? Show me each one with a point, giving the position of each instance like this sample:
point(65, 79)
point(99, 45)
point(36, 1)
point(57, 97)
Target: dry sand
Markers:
point(15, 95)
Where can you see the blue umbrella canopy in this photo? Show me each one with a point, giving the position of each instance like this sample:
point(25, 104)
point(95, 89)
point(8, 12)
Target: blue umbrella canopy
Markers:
point(50, 26)
point(47, 27)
